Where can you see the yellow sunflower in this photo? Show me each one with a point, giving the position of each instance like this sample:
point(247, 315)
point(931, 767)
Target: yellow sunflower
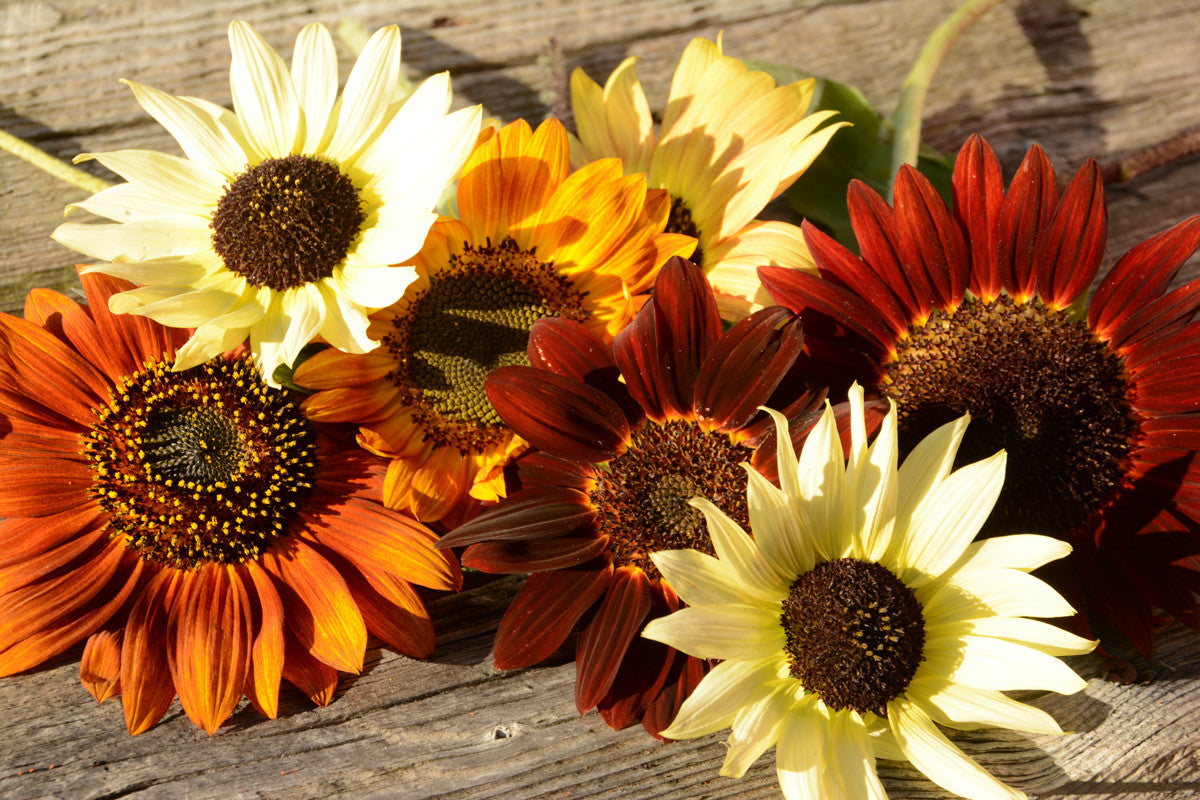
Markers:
point(862, 613)
point(533, 240)
point(282, 221)
point(730, 142)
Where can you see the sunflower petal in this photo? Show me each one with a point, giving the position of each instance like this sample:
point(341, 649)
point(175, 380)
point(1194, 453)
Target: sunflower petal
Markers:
point(544, 612)
point(603, 643)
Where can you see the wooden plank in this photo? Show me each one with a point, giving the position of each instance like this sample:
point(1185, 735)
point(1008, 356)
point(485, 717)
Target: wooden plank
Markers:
point(1094, 77)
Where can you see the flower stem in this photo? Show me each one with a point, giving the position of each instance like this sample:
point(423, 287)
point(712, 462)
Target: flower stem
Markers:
point(906, 119)
point(51, 165)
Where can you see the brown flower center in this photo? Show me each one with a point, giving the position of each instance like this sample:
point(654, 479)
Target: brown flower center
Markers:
point(641, 496)
point(855, 634)
point(204, 465)
point(475, 316)
point(1038, 384)
point(680, 221)
point(287, 222)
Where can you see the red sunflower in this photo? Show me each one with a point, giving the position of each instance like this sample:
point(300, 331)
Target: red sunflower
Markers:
point(983, 309)
point(202, 535)
point(624, 437)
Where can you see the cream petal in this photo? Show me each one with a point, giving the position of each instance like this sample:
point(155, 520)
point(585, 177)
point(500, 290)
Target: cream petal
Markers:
point(263, 94)
point(971, 594)
point(132, 300)
point(776, 528)
point(304, 313)
point(986, 663)
point(397, 236)
point(883, 741)
point(407, 131)
point(853, 762)
point(133, 202)
point(367, 94)
point(133, 241)
point(1023, 551)
point(373, 287)
point(267, 337)
point(203, 138)
point(871, 484)
point(803, 751)
point(315, 76)
point(948, 518)
point(756, 728)
point(208, 342)
point(698, 578)
point(926, 466)
point(1049, 639)
point(967, 708)
point(728, 631)
point(189, 309)
point(345, 325)
point(740, 554)
point(931, 752)
point(184, 185)
point(725, 690)
point(178, 275)
point(821, 489)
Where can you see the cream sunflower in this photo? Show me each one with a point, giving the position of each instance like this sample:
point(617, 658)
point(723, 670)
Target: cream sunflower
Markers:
point(281, 222)
point(862, 615)
point(730, 142)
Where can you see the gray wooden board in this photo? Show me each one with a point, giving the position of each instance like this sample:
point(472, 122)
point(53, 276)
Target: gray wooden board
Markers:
point(1084, 78)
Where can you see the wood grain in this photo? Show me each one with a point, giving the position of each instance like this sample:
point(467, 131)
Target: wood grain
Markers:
point(1096, 78)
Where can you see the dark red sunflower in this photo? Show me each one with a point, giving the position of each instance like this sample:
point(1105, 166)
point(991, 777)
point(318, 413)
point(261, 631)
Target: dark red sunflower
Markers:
point(623, 438)
point(203, 536)
point(984, 310)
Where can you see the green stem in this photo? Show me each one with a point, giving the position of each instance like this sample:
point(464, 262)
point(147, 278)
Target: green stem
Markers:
point(906, 119)
point(49, 164)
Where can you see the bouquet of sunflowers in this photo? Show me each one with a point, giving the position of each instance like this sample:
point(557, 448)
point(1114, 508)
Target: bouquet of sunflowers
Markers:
point(835, 484)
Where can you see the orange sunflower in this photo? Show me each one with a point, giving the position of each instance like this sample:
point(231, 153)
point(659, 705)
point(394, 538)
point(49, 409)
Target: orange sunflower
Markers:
point(533, 240)
point(202, 535)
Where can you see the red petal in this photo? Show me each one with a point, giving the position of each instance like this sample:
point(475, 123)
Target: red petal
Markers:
point(747, 364)
point(1140, 277)
point(604, 642)
point(646, 668)
point(661, 711)
point(100, 665)
point(533, 556)
point(146, 687)
point(1028, 208)
point(978, 196)
point(687, 324)
point(848, 270)
point(875, 228)
point(544, 612)
point(318, 607)
point(267, 651)
point(540, 512)
point(931, 244)
point(1068, 254)
point(1156, 322)
point(568, 348)
point(539, 468)
point(208, 644)
point(801, 291)
point(558, 414)
point(637, 353)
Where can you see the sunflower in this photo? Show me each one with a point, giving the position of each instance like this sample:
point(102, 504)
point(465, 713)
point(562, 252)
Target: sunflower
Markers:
point(861, 614)
point(532, 241)
point(984, 311)
point(624, 437)
point(281, 222)
point(730, 142)
point(199, 533)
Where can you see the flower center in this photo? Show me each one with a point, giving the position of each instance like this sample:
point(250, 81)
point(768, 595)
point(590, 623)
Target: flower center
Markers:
point(209, 464)
point(1038, 384)
point(287, 222)
point(680, 221)
point(855, 634)
point(475, 316)
point(641, 497)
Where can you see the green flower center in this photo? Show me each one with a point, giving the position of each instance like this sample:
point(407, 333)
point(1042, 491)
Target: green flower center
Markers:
point(209, 464)
point(475, 316)
point(1038, 384)
point(855, 634)
point(680, 221)
point(641, 496)
point(287, 222)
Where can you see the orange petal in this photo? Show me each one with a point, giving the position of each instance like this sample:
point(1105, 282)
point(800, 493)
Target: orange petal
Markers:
point(26, 539)
point(73, 323)
point(315, 678)
point(318, 607)
point(393, 611)
point(332, 369)
point(267, 652)
point(42, 486)
point(46, 368)
point(208, 644)
point(143, 338)
point(370, 535)
point(368, 403)
point(100, 666)
point(146, 686)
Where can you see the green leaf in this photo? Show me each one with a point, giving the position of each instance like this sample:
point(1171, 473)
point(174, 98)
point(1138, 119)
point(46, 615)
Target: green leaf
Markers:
point(862, 151)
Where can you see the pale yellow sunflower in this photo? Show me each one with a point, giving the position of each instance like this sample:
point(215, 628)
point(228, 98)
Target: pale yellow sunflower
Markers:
point(862, 615)
point(282, 220)
point(730, 142)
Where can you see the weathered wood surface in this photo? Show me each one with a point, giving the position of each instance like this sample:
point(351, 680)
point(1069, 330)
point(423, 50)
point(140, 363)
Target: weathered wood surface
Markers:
point(1089, 77)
